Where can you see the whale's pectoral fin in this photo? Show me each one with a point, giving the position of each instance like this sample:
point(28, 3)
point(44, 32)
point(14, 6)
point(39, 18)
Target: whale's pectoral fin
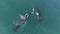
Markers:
point(21, 16)
point(33, 10)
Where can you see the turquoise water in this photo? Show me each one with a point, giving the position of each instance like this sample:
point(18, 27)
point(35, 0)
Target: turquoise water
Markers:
point(50, 11)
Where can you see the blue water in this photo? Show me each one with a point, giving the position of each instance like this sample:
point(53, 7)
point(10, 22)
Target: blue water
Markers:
point(50, 11)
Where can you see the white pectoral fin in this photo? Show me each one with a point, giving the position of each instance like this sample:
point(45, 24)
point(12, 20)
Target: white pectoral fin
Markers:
point(33, 10)
point(21, 16)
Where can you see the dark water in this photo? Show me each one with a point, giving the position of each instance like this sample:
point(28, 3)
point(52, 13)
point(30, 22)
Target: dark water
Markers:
point(50, 11)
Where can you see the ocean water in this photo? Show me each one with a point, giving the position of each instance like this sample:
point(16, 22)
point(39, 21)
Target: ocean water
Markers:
point(9, 16)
